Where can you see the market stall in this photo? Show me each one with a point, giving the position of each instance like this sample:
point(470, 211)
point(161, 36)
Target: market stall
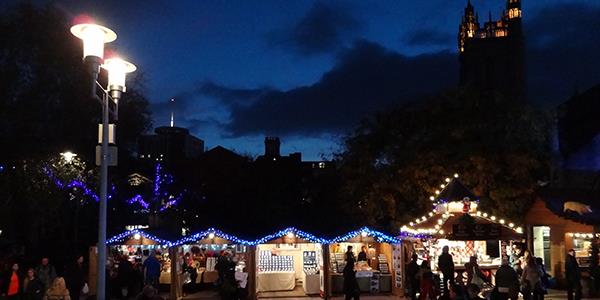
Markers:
point(132, 247)
point(379, 269)
point(200, 253)
point(290, 264)
point(456, 222)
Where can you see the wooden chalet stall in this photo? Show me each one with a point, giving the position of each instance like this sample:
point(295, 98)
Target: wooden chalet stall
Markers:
point(290, 263)
point(456, 222)
point(134, 245)
point(380, 272)
point(561, 219)
point(200, 252)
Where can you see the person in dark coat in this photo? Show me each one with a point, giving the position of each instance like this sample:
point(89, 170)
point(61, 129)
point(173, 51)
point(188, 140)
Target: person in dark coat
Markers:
point(351, 289)
point(362, 256)
point(75, 278)
point(46, 272)
point(33, 288)
point(446, 265)
point(507, 282)
point(573, 276)
point(412, 269)
point(152, 268)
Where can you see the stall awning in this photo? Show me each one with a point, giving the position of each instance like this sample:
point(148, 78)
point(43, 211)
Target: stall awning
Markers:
point(455, 191)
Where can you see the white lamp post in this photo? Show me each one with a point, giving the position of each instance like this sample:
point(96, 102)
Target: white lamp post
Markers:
point(94, 37)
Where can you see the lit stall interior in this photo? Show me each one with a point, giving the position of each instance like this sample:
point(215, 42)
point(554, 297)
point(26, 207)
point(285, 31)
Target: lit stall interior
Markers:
point(199, 253)
point(378, 270)
point(137, 245)
point(289, 263)
point(456, 222)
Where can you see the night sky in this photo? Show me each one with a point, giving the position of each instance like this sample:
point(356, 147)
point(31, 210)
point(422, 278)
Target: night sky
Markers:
point(309, 71)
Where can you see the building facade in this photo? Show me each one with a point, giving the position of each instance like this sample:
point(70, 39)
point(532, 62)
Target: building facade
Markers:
point(492, 55)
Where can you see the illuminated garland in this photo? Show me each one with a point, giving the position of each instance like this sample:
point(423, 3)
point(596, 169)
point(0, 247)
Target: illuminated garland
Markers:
point(139, 199)
point(71, 185)
point(211, 233)
point(132, 233)
point(291, 232)
point(365, 232)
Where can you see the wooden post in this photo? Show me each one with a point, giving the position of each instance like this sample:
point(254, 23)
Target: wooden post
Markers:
point(175, 292)
point(326, 264)
point(93, 270)
point(251, 269)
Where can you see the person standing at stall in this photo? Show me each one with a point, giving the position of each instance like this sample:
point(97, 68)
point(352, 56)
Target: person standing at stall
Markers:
point(531, 280)
point(46, 272)
point(474, 274)
point(351, 289)
point(58, 290)
point(507, 282)
point(33, 288)
point(362, 256)
point(152, 268)
point(446, 265)
point(573, 276)
point(412, 271)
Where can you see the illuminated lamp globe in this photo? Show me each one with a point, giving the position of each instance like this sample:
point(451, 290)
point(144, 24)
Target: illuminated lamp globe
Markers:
point(117, 71)
point(137, 236)
point(94, 37)
point(364, 234)
point(68, 156)
point(211, 235)
point(290, 234)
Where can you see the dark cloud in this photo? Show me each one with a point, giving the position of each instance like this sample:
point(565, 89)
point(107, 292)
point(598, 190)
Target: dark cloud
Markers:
point(365, 79)
point(322, 30)
point(563, 43)
point(428, 37)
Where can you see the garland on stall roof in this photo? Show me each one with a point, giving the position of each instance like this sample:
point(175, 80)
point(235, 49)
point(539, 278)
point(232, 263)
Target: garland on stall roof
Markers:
point(211, 233)
point(131, 234)
point(291, 232)
point(365, 232)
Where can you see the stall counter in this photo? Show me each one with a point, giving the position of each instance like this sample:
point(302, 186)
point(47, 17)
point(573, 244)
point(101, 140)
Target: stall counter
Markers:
point(276, 281)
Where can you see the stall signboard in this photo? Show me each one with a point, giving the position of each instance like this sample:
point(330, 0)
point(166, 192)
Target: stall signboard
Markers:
point(475, 232)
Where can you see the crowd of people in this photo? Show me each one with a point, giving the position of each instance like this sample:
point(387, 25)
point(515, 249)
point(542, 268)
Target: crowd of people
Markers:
point(43, 282)
point(520, 273)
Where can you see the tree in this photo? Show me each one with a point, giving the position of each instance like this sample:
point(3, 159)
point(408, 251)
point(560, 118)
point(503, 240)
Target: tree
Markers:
point(392, 163)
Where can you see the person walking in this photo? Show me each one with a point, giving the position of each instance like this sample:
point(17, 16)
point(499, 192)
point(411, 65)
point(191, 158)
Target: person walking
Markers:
point(446, 265)
point(58, 290)
point(507, 282)
point(573, 276)
point(351, 289)
point(152, 269)
point(11, 288)
point(75, 278)
point(427, 285)
point(46, 272)
point(33, 288)
point(412, 271)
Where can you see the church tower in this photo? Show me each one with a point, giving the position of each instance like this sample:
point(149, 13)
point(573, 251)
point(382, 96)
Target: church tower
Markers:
point(492, 56)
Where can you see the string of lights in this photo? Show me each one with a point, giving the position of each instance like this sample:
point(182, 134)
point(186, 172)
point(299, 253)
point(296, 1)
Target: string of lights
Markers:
point(291, 232)
point(366, 232)
point(211, 233)
point(136, 234)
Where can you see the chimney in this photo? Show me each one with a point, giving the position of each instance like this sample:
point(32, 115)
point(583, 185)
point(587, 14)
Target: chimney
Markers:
point(272, 146)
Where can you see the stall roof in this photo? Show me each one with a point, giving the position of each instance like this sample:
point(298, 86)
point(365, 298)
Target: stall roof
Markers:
point(285, 235)
point(579, 205)
point(471, 226)
point(366, 234)
point(455, 191)
point(212, 236)
point(141, 236)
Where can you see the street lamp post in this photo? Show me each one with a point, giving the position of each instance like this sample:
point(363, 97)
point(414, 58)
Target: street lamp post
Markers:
point(94, 37)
